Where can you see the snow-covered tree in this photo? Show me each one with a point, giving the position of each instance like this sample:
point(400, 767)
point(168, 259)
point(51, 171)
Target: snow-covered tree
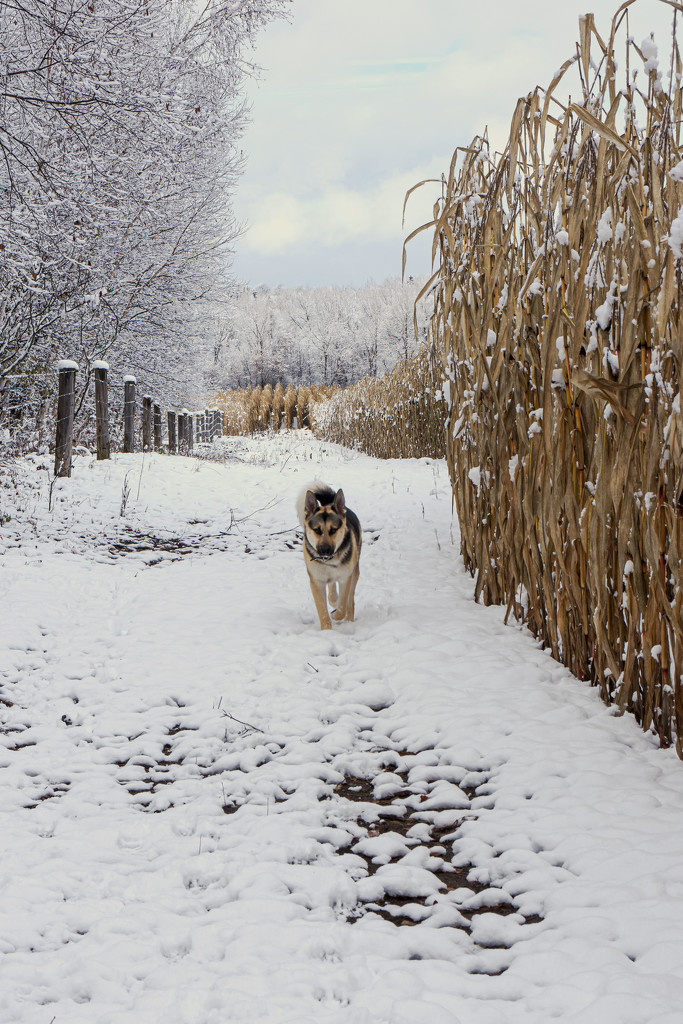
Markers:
point(119, 150)
point(323, 335)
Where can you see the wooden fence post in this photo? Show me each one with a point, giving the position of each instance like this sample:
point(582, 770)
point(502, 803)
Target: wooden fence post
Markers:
point(101, 371)
point(129, 414)
point(208, 425)
point(172, 432)
point(65, 416)
point(189, 430)
point(182, 432)
point(147, 423)
point(158, 443)
point(217, 423)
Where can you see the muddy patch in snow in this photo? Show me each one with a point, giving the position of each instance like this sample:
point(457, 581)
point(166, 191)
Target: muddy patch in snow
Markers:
point(409, 876)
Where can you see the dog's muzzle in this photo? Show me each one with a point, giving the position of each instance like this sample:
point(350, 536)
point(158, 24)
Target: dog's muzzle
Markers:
point(324, 553)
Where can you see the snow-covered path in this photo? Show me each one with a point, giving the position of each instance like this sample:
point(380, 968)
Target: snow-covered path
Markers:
point(210, 811)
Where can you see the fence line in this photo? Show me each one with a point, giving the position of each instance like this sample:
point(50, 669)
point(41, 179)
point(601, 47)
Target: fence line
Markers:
point(103, 442)
point(184, 428)
point(65, 417)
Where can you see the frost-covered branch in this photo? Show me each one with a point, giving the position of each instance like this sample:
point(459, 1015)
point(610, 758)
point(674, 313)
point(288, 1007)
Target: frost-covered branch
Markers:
point(119, 131)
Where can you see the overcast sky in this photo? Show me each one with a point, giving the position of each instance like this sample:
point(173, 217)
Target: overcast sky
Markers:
point(360, 99)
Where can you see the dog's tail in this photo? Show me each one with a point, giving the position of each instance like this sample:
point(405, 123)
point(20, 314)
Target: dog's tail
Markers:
point(323, 492)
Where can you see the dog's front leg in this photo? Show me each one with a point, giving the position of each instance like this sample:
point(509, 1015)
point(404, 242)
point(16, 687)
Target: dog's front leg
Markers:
point(346, 607)
point(320, 603)
point(350, 599)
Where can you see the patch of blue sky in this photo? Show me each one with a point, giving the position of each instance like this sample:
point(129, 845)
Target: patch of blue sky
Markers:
point(399, 66)
point(375, 75)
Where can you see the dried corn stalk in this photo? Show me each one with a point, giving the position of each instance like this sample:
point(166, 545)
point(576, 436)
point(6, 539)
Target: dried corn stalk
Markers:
point(557, 319)
point(397, 416)
point(255, 410)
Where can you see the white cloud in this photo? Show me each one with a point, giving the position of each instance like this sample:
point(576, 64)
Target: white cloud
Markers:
point(337, 213)
point(277, 224)
point(363, 98)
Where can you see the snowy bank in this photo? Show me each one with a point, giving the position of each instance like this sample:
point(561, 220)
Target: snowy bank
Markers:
point(211, 811)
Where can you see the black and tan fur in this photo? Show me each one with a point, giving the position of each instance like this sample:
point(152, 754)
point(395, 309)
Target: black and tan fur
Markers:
point(332, 542)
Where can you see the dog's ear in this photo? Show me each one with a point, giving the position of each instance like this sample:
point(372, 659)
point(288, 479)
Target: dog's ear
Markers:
point(311, 503)
point(339, 505)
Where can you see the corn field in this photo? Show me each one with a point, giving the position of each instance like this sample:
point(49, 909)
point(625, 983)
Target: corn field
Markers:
point(398, 416)
point(254, 410)
point(557, 320)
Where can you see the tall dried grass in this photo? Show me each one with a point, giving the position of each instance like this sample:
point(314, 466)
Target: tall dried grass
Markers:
point(240, 410)
point(303, 395)
point(290, 406)
point(557, 320)
point(400, 415)
point(254, 410)
point(278, 407)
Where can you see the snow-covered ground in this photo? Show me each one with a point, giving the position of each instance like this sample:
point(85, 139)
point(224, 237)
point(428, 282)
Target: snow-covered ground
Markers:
point(211, 811)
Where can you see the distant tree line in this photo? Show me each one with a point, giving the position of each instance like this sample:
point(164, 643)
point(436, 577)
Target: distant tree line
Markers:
point(324, 335)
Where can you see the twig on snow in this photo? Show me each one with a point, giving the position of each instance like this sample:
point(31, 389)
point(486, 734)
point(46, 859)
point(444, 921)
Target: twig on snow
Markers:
point(247, 725)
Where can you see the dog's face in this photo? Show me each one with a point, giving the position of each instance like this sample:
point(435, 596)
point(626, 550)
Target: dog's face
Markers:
point(325, 524)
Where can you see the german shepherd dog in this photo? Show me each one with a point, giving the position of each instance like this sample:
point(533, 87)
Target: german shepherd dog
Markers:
point(332, 542)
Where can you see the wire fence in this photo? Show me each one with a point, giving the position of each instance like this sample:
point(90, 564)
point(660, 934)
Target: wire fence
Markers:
point(124, 424)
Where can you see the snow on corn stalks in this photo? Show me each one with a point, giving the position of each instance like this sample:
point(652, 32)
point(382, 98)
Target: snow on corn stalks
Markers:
point(557, 317)
point(400, 415)
point(396, 416)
